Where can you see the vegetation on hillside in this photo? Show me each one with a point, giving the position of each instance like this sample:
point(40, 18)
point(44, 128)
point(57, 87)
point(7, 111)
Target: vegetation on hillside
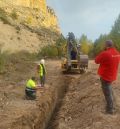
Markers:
point(14, 15)
point(54, 50)
point(3, 17)
point(114, 35)
point(86, 45)
point(59, 48)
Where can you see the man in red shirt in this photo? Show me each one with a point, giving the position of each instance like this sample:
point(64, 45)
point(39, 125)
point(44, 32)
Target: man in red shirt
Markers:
point(109, 61)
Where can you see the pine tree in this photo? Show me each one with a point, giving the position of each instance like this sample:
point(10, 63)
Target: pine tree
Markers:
point(115, 33)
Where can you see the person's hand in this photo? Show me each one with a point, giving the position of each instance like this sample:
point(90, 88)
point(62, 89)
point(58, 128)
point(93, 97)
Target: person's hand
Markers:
point(39, 86)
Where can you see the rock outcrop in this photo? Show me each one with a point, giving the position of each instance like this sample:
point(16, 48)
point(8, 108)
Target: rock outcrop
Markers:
point(27, 25)
point(33, 12)
point(39, 4)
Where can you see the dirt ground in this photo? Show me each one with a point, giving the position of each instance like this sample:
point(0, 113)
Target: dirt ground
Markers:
point(82, 107)
point(18, 113)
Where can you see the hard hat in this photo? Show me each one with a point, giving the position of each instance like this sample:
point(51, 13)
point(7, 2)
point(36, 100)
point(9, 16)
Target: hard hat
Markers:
point(42, 61)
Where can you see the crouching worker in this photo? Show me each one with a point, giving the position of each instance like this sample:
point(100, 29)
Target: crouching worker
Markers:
point(31, 88)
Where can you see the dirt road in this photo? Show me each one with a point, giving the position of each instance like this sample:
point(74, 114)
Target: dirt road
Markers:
point(81, 108)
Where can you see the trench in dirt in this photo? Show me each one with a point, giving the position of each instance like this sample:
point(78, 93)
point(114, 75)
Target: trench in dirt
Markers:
point(58, 106)
point(62, 93)
point(47, 106)
point(41, 113)
point(38, 114)
point(66, 102)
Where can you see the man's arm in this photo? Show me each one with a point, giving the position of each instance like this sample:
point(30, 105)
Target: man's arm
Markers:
point(99, 58)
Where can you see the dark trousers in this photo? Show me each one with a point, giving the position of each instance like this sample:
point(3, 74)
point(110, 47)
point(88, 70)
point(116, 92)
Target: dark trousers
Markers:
point(42, 80)
point(30, 94)
point(108, 93)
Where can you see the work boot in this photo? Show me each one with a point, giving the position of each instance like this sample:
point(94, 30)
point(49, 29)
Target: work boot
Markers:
point(111, 112)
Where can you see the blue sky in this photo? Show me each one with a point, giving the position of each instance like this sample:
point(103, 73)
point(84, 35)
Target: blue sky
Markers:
point(91, 17)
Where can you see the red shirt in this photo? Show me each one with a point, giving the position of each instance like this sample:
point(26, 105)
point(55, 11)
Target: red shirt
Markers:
point(109, 61)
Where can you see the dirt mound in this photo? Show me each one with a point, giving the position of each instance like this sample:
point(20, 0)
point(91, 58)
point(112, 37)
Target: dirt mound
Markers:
point(83, 105)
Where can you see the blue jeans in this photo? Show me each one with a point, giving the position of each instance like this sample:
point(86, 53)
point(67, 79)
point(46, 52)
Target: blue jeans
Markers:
point(108, 93)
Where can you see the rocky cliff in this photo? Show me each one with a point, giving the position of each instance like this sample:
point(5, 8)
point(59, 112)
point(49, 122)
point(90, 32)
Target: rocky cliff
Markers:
point(33, 12)
point(27, 25)
point(39, 4)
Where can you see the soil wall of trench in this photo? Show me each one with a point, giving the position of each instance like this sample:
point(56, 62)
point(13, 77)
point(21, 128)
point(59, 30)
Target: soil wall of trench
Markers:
point(67, 102)
point(19, 113)
point(47, 99)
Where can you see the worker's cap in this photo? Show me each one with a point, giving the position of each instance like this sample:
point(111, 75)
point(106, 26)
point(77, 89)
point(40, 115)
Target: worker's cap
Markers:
point(108, 43)
point(42, 61)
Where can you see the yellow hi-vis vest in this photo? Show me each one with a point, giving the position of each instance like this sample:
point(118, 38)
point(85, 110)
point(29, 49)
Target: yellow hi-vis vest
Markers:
point(31, 84)
point(42, 70)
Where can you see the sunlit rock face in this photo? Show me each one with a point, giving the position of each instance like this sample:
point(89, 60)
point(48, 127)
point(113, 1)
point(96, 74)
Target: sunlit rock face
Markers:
point(46, 14)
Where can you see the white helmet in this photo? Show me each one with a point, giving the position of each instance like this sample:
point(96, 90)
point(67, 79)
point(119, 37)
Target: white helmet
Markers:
point(42, 61)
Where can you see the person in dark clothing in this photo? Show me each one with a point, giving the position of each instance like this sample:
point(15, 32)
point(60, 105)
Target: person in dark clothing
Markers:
point(109, 60)
point(73, 55)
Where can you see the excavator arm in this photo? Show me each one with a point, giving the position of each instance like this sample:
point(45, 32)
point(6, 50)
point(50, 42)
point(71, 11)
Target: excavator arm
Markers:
point(74, 60)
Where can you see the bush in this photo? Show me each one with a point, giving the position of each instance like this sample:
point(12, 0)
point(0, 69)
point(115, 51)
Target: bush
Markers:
point(48, 51)
point(29, 20)
point(3, 16)
point(14, 15)
point(3, 58)
point(22, 55)
point(56, 50)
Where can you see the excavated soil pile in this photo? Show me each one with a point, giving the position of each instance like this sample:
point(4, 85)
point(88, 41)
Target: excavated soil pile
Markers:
point(83, 105)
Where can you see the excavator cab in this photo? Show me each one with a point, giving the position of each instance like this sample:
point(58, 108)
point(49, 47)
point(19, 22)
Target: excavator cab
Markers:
point(74, 60)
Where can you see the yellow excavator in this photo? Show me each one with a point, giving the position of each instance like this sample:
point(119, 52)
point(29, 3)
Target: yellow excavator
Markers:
point(74, 60)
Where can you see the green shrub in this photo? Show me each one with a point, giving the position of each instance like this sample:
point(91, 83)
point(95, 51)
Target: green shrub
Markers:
point(22, 55)
point(29, 20)
point(56, 50)
point(48, 51)
point(17, 28)
point(3, 16)
point(14, 15)
point(3, 58)
point(7, 58)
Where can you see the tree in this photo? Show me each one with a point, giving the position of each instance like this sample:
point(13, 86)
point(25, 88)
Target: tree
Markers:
point(60, 45)
point(115, 33)
point(99, 44)
point(86, 45)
